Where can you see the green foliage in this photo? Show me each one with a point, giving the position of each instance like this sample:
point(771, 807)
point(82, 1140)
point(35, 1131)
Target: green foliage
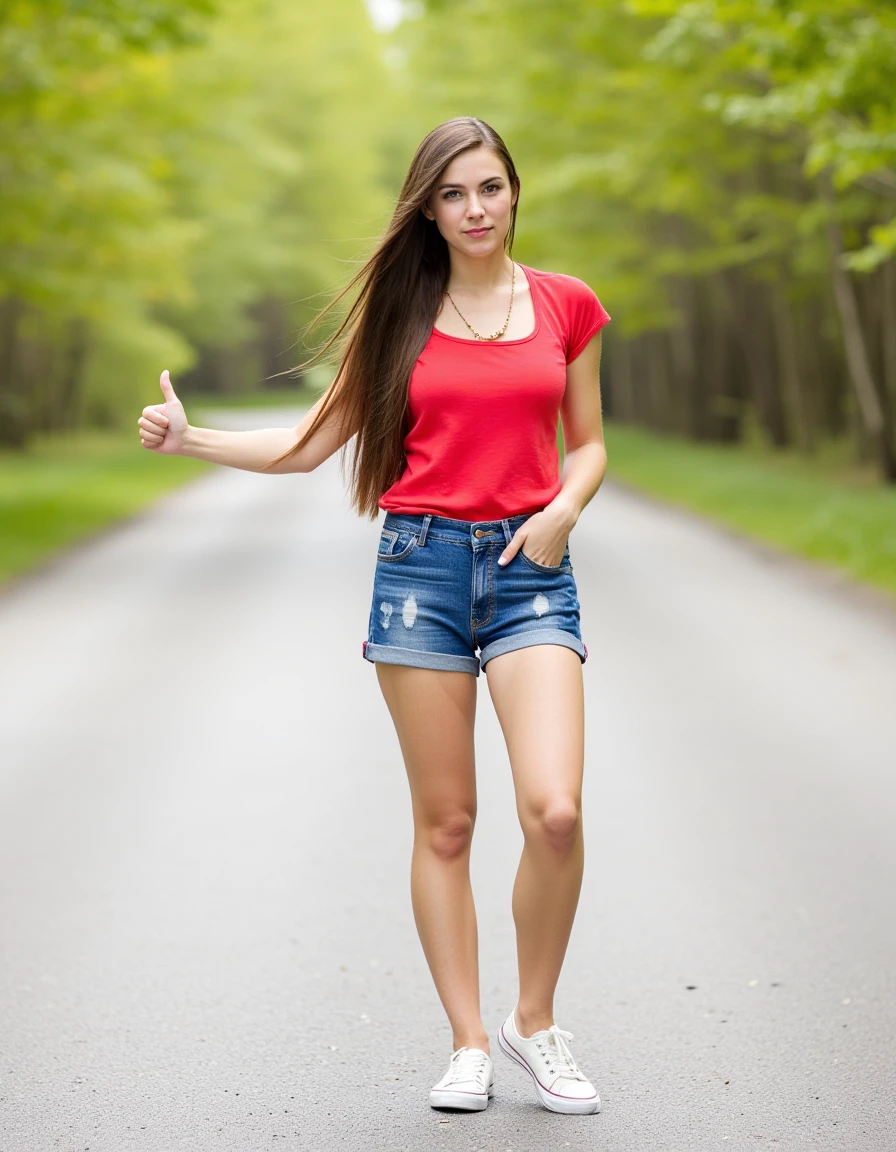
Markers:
point(172, 175)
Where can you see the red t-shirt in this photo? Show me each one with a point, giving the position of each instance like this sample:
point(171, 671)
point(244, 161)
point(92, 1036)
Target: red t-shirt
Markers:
point(482, 415)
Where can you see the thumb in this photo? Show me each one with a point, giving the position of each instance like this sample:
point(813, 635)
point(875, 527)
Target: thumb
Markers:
point(167, 390)
point(511, 550)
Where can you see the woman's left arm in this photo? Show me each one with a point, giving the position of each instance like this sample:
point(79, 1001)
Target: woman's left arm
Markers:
point(584, 464)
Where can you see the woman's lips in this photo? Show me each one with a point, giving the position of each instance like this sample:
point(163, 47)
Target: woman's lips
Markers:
point(478, 231)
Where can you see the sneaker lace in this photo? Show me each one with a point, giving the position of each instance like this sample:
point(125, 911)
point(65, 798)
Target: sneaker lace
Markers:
point(556, 1051)
point(466, 1064)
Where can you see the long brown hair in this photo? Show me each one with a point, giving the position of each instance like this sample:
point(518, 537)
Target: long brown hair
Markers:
point(387, 327)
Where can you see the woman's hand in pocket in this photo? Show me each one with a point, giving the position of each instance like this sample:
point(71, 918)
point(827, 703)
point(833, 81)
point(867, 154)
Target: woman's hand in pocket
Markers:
point(545, 535)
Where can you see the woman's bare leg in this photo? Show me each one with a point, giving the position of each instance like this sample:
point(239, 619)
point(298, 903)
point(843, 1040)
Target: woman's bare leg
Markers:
point(539, 701)
point(433, 713)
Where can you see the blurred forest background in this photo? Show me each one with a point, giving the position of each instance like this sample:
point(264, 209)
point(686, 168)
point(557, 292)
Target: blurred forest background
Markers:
point(185, 183)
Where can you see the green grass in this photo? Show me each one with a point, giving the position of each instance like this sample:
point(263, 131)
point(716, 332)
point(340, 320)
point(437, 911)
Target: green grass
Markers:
point(66, 488)
point(823, 508)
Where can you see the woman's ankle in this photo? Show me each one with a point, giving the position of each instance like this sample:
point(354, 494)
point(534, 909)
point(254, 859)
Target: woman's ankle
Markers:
point(471, 1038)
point(530, 1021)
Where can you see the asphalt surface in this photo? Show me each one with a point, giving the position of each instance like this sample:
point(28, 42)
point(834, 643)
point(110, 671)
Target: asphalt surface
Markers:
point(206, 938)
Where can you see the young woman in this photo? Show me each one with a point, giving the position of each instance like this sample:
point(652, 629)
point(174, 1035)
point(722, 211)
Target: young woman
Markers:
point(454, 366)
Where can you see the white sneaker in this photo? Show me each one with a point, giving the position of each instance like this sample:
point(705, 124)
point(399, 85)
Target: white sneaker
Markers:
point(468, 1083)
point(559, 1083)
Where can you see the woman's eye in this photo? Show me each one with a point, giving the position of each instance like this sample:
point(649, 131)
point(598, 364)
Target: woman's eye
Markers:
point(451, 191)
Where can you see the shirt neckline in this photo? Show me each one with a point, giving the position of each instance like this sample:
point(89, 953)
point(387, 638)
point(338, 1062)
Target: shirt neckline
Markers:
point(533, 295)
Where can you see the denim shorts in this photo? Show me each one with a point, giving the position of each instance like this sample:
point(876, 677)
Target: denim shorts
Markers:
point(439, 595)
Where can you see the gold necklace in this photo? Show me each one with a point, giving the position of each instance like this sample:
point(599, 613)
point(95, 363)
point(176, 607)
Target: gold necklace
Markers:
point(501, 331)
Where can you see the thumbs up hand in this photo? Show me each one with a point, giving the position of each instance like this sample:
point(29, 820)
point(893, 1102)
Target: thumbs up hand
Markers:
point(162, 426)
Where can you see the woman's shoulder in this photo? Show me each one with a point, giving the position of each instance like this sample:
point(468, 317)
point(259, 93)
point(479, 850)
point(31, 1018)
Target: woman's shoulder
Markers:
point(574, 305)
point(561, 284)
point(568, 293)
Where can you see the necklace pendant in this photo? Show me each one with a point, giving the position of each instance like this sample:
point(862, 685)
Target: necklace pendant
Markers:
point(509, 310)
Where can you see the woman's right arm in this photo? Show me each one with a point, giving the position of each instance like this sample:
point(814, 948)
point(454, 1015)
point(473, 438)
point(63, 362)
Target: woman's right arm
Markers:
point(164, 429)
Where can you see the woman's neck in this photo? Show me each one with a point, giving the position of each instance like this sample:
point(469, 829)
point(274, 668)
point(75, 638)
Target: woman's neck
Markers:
point(479, 276)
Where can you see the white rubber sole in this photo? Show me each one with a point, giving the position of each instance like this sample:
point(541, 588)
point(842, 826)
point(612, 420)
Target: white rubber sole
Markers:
point(466, 1101)
point(550, 1100)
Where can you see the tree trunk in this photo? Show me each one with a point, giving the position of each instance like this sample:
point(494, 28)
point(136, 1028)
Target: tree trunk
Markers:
point(684, 361)
point(723, 412)
point(751, 326)
point(888, 328)
point(658, 381)
point(621, 391)
point(792, 377)
point(14, 428)
point(857, 359)
point(70, 387)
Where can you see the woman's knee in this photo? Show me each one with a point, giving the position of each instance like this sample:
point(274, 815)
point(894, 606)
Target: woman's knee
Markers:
point(448, 835)
point(555, 821)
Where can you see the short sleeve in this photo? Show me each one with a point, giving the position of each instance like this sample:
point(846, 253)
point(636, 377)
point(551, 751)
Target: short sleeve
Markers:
point(586, 317)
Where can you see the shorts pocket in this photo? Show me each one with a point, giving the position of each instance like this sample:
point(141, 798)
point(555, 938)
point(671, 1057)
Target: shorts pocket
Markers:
point(563, 566)
point(395, 544)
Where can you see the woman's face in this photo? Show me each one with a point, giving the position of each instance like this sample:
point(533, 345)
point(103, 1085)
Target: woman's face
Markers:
point(471, 202)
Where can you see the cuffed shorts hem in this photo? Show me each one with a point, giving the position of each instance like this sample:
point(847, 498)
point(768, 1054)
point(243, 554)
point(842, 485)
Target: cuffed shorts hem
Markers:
point(415, 658)
point(528, 639)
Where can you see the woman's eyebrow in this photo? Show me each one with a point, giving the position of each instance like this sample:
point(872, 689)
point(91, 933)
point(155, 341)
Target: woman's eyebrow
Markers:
point(490, 180)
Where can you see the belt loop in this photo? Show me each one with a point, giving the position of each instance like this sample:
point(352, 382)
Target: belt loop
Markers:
point(508, 535)
point(421, 539)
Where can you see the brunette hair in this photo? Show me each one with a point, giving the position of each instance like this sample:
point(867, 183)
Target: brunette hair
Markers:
point(387, 327)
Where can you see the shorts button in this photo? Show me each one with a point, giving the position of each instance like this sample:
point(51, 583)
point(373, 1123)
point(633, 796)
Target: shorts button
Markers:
point(477, 532)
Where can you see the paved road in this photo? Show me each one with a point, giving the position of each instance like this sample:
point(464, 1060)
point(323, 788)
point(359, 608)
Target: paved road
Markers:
point(207, 939)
